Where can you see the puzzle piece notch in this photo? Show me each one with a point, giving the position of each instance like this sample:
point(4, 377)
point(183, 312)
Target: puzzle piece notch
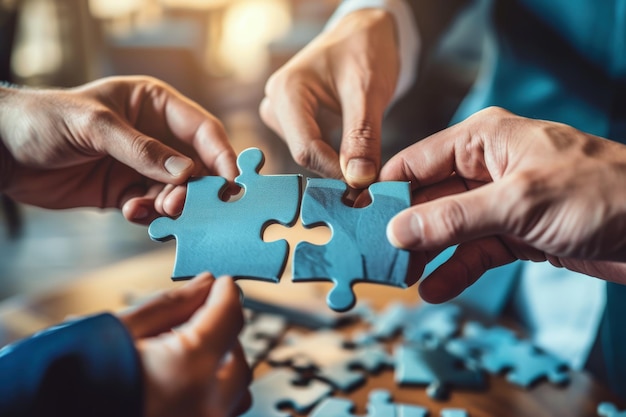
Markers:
point(497, 350)
point(327, 353)
point(283, 387)
point(358, 249)
point(226, 238)
point(436, 368)
point(606, 409)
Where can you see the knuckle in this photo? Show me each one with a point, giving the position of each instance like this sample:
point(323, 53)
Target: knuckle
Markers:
point(144, 147)
point(453, 218)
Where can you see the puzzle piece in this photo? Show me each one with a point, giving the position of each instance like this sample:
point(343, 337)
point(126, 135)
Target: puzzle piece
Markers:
point(497, 349)
point(225, 238)
point(436, 368)
point(606, 409)
point(427, 324)
point(327, 354)
point(259, 333)
point(358, 249)
point(278, 389)
point(379, 405)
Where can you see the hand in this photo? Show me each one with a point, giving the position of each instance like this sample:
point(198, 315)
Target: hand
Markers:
point(199, 368)
point(505, 187)
point(115, 142)
point(350, 70)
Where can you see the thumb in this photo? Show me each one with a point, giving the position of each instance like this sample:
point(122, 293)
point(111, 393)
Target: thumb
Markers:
point(360, 144)
point(450, 220)
point(147, 155)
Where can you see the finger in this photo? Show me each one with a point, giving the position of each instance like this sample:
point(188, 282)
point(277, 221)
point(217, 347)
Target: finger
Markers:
point(360, 143)
point(234, 377)
point(468, 263)
point(266, 111)
point(213, 329)
point(169, 309)
point(146, 155)
point(141, 209)
point(453, 219)
point(295, 114)
point(175, 201)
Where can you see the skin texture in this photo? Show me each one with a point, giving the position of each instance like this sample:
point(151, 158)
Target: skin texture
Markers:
point(349, 71)
point(198, 369)
point(122, 142)
point(504, 187)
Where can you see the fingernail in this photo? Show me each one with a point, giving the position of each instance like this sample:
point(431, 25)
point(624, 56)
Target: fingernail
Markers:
point(176, 165)
point(404, 231)
point(361, 171)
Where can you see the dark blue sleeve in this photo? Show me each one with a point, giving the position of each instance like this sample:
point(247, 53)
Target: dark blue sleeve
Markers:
point(87, 367)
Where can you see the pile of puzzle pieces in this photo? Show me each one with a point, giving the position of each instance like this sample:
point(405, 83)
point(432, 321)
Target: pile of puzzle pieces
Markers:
point(429, 348)
point(225, 238)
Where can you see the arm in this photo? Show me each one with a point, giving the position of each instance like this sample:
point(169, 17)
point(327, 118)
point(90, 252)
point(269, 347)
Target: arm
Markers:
point(504, 187)
point(364, 59)
point(134, 364)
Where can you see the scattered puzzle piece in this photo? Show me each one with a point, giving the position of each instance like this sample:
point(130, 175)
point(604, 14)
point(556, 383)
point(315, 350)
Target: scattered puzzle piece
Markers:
point(358, 249)
point(427, 324)
point(454, 412)
point(606, 409)
point(283, 387)
point(327, 354)
point(259, 333)
point(379, 405)
point(436, 368)
point(497, 349)
point(225, 238)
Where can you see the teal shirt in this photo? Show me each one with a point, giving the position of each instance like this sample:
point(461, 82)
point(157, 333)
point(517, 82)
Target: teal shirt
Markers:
point(559, 60)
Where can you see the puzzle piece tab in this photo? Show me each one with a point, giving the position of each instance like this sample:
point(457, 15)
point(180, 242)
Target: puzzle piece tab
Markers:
point(358, 249)
point(282, 387)
point(225, 238)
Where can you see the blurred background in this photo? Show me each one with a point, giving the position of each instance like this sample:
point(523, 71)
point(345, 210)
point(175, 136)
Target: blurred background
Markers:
point(219, 53)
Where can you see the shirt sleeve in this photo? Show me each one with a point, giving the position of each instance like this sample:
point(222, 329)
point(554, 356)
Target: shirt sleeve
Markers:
point(408, 35)
point(88, 367)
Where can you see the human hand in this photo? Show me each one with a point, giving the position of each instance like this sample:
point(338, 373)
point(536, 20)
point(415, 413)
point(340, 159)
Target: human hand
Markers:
point(122, 142)
point(349, 70)
point(505, 187)
point(199, 368)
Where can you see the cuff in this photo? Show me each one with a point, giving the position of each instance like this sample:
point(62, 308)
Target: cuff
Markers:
point(409, 42)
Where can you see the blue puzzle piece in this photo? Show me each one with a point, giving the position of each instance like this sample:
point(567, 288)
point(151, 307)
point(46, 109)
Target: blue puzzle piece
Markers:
point(225, 238)
point(454, 412)
point(436, 368)
point(282, 387)
point(359, 249)
point(379, 405)
point(607, 409)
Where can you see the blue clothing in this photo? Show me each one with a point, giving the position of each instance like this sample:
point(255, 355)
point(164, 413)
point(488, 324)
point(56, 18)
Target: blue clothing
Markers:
point(87, 367)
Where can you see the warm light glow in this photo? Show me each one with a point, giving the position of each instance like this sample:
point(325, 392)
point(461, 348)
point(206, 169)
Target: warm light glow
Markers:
point(38, 50)
point(249, 26)
point(110, 9)
point(195, 4)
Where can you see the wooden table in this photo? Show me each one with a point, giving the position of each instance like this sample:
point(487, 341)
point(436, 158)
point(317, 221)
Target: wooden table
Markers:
point(113, 287)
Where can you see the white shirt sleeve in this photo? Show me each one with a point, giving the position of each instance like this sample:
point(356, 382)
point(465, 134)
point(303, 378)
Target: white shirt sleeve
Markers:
point(408, 37)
